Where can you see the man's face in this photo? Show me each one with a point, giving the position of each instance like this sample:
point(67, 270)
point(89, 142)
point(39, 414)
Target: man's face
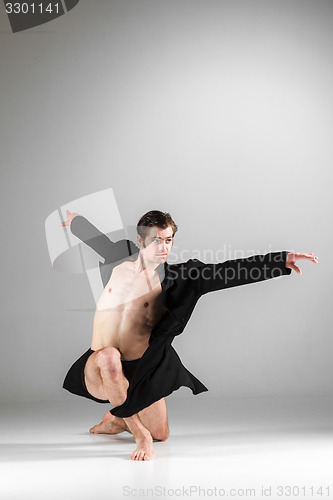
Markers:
point(157, 245)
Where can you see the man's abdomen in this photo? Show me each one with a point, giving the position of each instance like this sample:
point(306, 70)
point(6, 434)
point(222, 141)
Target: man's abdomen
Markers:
point(127, 334)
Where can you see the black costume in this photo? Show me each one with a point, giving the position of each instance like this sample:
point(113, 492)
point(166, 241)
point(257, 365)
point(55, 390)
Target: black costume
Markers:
point(160, 371)
point(76, 384)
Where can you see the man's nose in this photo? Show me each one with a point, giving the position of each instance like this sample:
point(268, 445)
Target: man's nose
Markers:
point(163, 247)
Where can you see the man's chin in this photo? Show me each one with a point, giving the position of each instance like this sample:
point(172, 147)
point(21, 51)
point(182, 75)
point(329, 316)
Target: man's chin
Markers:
point(161, 258)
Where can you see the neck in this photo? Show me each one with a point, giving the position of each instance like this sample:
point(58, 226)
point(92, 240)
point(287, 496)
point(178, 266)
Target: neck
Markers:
point(142, 264)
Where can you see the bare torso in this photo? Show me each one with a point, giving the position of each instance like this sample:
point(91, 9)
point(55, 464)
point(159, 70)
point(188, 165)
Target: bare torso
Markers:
point(127, 310)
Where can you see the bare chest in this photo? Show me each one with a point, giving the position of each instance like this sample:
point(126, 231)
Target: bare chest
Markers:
point(129, 289)
point(129, 307)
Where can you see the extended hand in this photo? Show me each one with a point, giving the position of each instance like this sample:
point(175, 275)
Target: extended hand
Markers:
point(70, 217)
point(292, 257)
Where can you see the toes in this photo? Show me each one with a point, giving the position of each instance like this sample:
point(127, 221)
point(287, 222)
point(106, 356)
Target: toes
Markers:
point(135, 455)
point(141, 455)
point(96, 428)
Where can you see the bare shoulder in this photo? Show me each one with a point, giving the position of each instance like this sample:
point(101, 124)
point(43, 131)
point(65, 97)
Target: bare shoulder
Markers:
point(123, 267)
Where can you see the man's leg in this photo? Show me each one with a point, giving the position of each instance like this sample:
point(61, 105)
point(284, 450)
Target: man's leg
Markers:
point(104, 379)
point(154, 418)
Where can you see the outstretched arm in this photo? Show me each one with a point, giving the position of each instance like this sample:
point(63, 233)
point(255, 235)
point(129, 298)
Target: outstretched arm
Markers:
point(231, 273)
point(89, 234)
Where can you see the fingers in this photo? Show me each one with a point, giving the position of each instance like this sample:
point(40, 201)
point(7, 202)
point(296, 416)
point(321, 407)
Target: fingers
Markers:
point(312, 257)
point(295, 268)
point(66, 223)
point(298, 255)
point(308, 256)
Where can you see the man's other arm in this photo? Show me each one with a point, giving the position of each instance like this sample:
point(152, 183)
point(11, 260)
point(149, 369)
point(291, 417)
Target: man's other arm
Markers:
point(89, 234)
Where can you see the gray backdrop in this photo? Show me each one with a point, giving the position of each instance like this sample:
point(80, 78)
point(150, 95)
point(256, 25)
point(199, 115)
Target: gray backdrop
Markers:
point(217, 111)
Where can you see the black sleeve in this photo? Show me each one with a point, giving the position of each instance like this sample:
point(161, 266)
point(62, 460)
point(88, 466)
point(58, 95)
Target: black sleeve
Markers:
point(90, 235)
point(212, 277)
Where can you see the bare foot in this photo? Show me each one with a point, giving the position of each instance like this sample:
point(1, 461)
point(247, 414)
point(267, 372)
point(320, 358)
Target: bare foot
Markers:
point(145, 450)
point(107, 426)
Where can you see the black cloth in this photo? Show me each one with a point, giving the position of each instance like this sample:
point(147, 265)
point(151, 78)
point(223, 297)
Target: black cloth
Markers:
point(74, 381)
point(160, 371)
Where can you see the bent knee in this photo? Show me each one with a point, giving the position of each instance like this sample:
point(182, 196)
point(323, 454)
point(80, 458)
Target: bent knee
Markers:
point(162, 435)
point(108, 359)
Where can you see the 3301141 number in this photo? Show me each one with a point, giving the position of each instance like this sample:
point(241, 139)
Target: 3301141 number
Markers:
point(31, 8)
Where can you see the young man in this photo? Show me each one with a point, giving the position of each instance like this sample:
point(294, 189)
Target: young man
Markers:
point(145, 303)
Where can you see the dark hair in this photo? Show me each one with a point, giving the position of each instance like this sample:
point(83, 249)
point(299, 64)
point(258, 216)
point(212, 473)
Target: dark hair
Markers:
point(155, 218)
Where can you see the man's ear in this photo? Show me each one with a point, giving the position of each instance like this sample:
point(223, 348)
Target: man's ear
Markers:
point(140, 241)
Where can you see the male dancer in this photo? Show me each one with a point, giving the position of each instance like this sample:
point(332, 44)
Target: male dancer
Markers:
point(144, 304)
